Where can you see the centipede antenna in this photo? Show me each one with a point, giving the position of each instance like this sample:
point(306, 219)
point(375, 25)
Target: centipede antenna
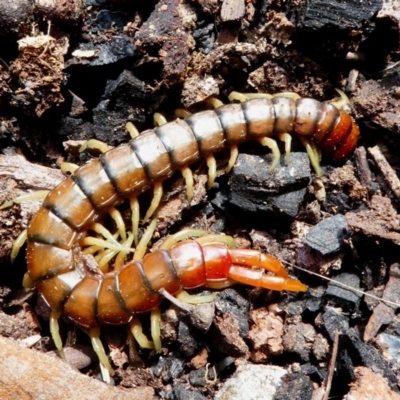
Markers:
point(132, 130)
point(232, 158)
point(135, 218)
point(188, 175)
point(155, 328)
point(271, 143)
point(155, 202)
point(18, 243)
point(212, 170)
point(137, 331)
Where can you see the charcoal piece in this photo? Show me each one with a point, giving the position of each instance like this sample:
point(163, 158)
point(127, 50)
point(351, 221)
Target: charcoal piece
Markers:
point(197, 378)
point(118, 106)
point(230, 301)
point(312, 371)
point(328, 235)
point(342, 295)
point(337, 14)
point(188, 344)
point(334, 320)
point(204, 35)
point(258, 190)
point(368, 356)
point(169, 368)
point(311, 304)
point(181, 393)
point(116, 49)
point(126, 89)
point(299, 388)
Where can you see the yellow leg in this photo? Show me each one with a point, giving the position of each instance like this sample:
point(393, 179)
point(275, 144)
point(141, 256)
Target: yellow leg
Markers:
point(229, 241)
point(185, 297)
point(313, 154)
point(182, 113)
point(271, 143)
point(159, 119)
point(18, 243)
point(155, 202)
point(27, 282)
point(119, 221)
point(188, 175)
point(37, 195)
point(155, 328)
point(94, 334)
point(137, 331)
point(132, 130)
point(141, 248)
point(287, 139)
point(68, 168)
point(341, 103)
point(135, 217)
point(232, 159)
point(55, 332)
point(212, 171)
point(214, 102)
point(95, 145)
point(181, 235)
point(120, 259)
point(93, 241)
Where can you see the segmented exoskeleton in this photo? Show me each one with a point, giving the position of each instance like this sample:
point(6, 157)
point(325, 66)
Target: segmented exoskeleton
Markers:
point(57, 232)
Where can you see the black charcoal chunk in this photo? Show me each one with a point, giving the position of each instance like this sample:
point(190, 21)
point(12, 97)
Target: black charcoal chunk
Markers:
point(258, 190)
point(181, 393)
point(327, 236)
point(364, 354)
point(343, 295)
point(188, 344)
point(334, 320)
point(298, 388)
point(338, 14)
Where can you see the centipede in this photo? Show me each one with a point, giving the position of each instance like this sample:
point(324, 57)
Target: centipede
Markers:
point(73, 284)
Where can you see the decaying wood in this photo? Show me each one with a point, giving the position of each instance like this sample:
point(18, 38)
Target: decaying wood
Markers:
point(29, 374)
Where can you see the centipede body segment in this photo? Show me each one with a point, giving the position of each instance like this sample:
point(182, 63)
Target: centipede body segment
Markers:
point(56, 264)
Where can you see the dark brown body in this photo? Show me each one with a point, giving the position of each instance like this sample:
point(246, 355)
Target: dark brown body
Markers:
point(55, 262)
